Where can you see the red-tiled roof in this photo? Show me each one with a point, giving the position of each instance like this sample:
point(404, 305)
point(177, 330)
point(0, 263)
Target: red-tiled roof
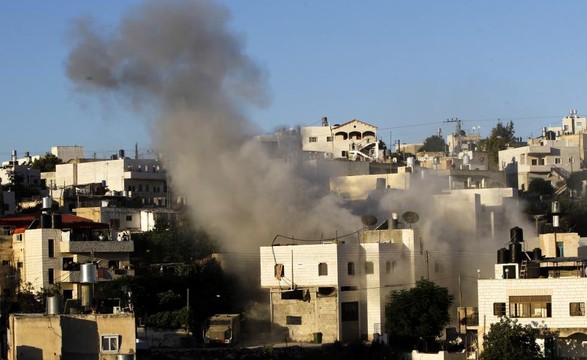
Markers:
point(67, 221)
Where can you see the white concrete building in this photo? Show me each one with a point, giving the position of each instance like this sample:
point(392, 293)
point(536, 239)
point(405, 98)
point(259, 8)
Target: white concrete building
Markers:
point(339, 288)
point(355, 140)
point(143, 178)
point(552, 160)
point(67, 153)
point(127, 219)
point(548, 288)
point(48, 250)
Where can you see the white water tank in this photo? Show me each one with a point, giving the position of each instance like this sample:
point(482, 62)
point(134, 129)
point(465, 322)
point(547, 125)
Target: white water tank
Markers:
point(466, 159)
point(47, 203)
point(53, 305)
point(410, 161)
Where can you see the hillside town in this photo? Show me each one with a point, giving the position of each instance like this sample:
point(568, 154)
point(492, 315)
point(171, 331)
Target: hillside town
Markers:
point(497, 221)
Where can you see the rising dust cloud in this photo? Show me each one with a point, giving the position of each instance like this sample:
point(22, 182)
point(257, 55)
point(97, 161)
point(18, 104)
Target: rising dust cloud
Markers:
point(180, 60)
point(180, 63)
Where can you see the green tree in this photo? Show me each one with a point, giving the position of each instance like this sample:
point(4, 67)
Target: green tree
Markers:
point(509, 340)
point(540, 186)
point(575, 181)
point(47, 162)
point(416, 316)
point(433, 143)
point(501, 137)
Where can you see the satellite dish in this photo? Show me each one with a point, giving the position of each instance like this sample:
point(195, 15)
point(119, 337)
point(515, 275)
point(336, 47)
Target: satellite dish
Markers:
point(410, 217)
point(368, 220)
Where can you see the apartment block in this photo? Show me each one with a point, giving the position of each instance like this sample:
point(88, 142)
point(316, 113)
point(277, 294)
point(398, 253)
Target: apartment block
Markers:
point(338, 288)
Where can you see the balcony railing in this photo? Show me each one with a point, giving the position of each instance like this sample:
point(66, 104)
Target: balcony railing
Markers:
point(97, 246)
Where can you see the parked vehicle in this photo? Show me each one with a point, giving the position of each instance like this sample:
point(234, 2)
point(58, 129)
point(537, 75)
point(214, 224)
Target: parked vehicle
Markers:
point(223, 329)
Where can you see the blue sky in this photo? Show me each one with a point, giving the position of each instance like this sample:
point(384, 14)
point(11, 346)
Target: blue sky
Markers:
point(404, 66)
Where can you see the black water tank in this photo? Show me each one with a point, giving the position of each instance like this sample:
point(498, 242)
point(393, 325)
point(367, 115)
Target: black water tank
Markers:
point(516, 234)
point(515, 252)
point(503, 256)
point(45, 221)
point(537, 254)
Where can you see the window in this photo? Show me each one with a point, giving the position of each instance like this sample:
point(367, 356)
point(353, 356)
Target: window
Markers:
point(557, 160)
point(369, 269)
point(350, 268)
point(6, 230)
point(348, 288)
point(387, 267)
point(19, 237)
point(499, 309)
point(140, 187)
point(279, 271)
point(110, 343)
point(329, 138)
point(322, 269)
point(51, 248)
point(297, 294)
point(577, 309)
point(128, 217)
point(293, 320)
point(531, 306)
point(5, 262)
point(534, 161)
point(349, 311)
point(19, 265)
point(313, 139)
point(51, 276)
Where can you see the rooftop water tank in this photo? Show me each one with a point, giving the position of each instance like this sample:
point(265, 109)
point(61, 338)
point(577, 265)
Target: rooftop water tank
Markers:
point(88, 273)
point(53, 305)
point(516, 234)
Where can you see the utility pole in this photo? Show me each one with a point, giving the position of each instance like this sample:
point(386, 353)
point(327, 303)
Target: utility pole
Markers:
point(457, 134)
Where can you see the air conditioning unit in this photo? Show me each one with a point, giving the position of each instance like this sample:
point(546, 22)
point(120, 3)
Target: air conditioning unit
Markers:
point(116, 310)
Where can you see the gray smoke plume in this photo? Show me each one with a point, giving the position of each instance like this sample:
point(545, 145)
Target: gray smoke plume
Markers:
point(457, 232)
point(180, 61)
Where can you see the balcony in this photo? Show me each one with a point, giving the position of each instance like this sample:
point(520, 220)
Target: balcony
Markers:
point(535, 168)
point(97, 246)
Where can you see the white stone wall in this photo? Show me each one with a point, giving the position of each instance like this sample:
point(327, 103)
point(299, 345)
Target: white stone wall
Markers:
point(393, 268)
point(563, 291)
point(36, 261)
point(358, 187)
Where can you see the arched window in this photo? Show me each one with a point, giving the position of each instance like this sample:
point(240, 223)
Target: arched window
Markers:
point(322, 269)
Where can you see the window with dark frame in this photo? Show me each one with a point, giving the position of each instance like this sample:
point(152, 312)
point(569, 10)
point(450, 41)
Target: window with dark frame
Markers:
point(293, 320)
point(351, 268)
point(577, 309)
point(51, 276)
point(531, 306)
point(110, 343)
point(322, 269)
point(369, 267)
point(51, 248)
point(313, 139)
point(499, 309)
